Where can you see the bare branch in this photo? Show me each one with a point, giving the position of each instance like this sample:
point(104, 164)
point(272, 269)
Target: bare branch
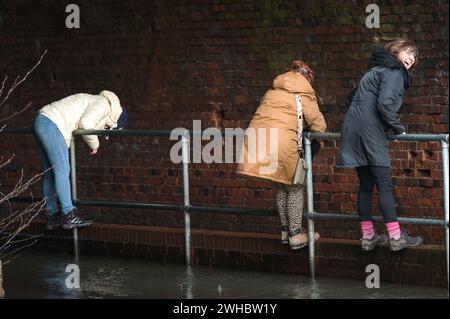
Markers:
point(20, 187)
point(16, 221)
point(6, 162)
point(19, 215)
point(19, 81)
point(15, 226)
point(19, 249)
point(3, 85)
point(16, 113)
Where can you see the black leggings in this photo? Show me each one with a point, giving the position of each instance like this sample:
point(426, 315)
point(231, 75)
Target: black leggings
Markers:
point(369, 176)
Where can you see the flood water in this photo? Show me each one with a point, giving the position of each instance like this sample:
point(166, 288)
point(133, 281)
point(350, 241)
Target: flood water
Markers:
point(43, 275)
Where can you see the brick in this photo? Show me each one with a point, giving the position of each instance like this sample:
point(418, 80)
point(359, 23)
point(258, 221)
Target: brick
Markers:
point(220, 66)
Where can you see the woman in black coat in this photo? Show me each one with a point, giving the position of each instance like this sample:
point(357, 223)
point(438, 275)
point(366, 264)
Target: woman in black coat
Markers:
point(373, 113)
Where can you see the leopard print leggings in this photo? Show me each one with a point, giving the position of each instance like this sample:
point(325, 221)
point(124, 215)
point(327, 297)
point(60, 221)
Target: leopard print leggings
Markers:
point(290, 208)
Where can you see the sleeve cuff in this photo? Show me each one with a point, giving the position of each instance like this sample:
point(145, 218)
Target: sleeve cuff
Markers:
point(399, 131)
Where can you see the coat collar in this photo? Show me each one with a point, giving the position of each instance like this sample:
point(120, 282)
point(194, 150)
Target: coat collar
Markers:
point(382, 58)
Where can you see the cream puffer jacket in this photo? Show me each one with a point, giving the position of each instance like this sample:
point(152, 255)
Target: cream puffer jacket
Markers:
point(84, 112)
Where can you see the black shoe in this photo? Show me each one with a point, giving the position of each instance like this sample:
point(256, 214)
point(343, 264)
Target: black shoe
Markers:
point(53, 221)
point(405, 241)
point(377, 240)
point(74, 220)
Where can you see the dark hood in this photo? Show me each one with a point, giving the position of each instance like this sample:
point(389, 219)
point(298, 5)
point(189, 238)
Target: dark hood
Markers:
point(383, 58)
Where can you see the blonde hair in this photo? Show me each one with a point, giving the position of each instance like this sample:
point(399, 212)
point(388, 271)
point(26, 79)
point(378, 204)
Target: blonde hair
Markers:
point(398, 45)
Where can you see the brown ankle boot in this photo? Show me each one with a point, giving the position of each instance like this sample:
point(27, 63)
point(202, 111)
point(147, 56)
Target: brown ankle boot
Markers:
point(301, 240)
point(284, 237)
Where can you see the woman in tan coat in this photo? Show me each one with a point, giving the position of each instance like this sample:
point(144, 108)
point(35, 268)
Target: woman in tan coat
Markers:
point(274, 128)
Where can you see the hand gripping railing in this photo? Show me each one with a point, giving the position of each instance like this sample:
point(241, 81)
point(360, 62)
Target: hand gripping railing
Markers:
point(312, 215)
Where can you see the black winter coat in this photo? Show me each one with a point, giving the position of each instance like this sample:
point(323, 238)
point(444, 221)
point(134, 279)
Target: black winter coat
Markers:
point(373, 112)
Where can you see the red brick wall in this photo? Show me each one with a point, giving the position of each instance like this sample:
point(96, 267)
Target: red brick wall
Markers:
point(174, 61)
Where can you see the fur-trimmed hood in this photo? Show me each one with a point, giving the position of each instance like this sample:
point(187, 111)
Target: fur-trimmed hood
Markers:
point(116, 108)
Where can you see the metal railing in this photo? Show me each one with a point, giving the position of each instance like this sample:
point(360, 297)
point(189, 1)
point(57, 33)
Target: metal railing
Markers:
point(312, 215)
point(187, 208)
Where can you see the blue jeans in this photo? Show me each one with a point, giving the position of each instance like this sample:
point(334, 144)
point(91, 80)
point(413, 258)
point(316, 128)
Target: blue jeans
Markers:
point(54, 154)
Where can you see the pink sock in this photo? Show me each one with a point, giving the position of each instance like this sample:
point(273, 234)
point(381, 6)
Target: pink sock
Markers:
point(367, 229)
point(394, 230)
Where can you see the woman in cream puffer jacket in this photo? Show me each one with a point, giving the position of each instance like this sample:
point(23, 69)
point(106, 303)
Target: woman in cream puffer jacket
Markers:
point(53, 128)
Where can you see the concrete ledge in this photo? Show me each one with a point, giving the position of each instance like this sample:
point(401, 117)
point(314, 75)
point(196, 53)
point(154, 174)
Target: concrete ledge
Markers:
point(339, 258)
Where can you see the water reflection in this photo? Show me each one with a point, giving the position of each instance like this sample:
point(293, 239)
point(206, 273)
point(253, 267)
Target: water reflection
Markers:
point(106, 281)
point(53, 279)
point(43, 275)
point(188, 283)
point(307, 289)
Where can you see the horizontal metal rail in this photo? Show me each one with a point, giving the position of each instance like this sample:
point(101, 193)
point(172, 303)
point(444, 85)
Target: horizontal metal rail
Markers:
point(233, 210)
point(105, 203)
point(401, 137)
point(139, 205)
point(355, 217)
point(123, 133)
point(16, 131)
point(95, 132)
point(312, 215)
point(309, 135)
point(236, 211)
point(23, 199)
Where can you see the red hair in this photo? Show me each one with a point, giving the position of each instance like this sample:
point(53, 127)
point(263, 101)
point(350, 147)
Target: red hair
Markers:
point(303, 69)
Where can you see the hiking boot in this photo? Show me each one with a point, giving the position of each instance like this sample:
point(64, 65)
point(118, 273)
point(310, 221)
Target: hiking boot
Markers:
point(301, 240)
point(74, 220)
point(405, 241)
point(53, 221)
point(284, 237)
point(377, 240)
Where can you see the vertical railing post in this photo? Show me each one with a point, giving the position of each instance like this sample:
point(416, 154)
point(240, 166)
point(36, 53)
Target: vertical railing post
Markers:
point(73, 184)
point(445, 169)
point(185, 150)
point(310, 208)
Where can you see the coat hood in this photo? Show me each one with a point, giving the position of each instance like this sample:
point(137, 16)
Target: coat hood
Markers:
point(116, 109)
point(382, 58)
point(293, 82)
